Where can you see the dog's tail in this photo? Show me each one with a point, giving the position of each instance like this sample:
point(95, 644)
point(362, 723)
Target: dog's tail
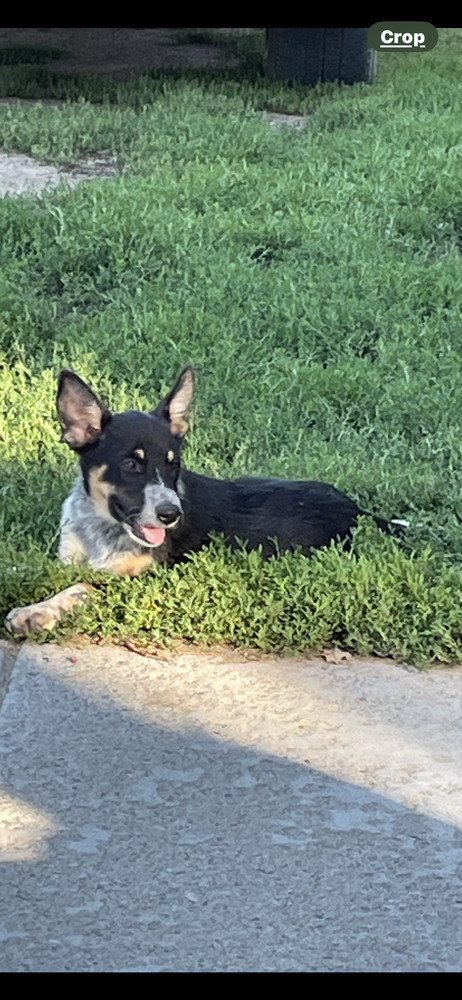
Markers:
point(397, 526)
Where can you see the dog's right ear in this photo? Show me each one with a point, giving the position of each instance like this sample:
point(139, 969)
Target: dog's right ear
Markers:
point(175, 407)
point(80, 412)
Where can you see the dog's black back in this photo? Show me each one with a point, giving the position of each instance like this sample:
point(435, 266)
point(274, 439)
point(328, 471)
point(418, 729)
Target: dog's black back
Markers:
point(272, 513)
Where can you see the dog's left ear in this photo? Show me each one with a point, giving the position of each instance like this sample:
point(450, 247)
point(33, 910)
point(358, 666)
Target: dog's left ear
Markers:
point(80, 412)
point(175, 407)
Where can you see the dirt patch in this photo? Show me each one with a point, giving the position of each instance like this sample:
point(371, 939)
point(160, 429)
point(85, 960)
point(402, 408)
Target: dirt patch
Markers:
point(121, 52)
point(276, 119)
point(21, 174)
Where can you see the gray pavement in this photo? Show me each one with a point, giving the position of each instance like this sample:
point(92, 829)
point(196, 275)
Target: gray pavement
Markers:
point(214, 812)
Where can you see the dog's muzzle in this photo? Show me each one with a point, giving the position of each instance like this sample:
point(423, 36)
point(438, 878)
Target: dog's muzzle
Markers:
point(152, 532)
point(160, 512)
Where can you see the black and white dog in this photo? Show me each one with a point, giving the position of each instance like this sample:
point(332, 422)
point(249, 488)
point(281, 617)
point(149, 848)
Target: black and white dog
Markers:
point(134, 504)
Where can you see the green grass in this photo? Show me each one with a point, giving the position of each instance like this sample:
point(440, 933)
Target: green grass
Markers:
point(313, 278)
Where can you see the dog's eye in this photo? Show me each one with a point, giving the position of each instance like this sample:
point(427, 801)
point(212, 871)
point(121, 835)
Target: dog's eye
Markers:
point(130, 465)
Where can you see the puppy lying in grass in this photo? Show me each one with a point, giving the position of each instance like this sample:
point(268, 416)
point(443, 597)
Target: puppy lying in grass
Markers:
point(135, 504)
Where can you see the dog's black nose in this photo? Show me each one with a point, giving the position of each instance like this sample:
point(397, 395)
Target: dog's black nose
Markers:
point(167, 513)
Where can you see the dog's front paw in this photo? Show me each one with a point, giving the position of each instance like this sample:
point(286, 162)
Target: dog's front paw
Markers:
point(45, 614)
point(23, 621)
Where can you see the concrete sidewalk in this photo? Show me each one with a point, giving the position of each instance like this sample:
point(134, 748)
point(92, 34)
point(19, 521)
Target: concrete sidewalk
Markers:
point(221, 813)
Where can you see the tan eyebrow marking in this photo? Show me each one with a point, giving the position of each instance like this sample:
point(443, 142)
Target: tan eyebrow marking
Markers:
point(139, 452)
point(170, 456)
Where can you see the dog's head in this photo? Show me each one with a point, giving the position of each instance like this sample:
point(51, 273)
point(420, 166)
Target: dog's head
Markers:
point(130, 461)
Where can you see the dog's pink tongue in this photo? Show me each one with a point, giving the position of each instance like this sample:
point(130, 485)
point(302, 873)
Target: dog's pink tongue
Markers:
point(153, 535)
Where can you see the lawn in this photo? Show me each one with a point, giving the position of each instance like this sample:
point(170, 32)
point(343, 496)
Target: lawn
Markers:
point(314, 278)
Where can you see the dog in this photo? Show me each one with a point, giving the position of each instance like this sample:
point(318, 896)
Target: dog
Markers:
point(135, 504)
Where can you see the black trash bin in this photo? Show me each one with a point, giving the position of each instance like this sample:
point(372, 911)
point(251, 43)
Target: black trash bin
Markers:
point(308, 55)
